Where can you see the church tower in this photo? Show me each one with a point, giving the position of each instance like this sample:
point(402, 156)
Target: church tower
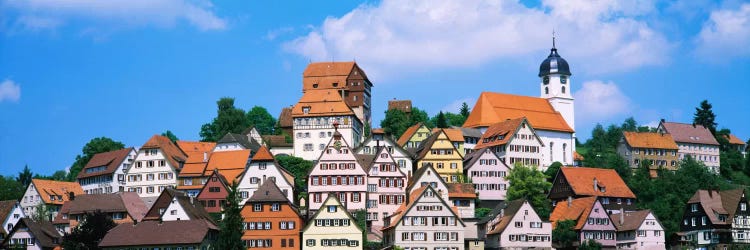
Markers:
point(554, 74)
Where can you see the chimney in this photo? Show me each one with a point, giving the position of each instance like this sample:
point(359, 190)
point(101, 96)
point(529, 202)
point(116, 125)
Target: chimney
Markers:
point(596, 184)
point(191, 199)
point(570, 201)
point(205, 156)
point(622, 216)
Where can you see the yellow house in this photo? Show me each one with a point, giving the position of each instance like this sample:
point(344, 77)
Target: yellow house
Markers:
point(440, 152)
point(414, 135)
point(332, 228)
point(456, 136)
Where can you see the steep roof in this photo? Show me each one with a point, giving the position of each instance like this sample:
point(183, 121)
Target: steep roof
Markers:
point(171, 152)
point(508, 210)
point(165, 198)
point(111, 160)
point(155, 233)
point(403, 105)
point(454, 135)
point(500, 133)
point(578, 210)
point(414, 197)
point(59, 189)
point(197, 157)
point(581, 180)
point(241, 139)
point(229, 163)
point(263, 154)
point(473, 157)
point(323, 75)
point(193, 208)
point(268, 192)
point(492, 108)
point(631, 220)
point(712, 204)
point(730, 200)
point(128, 202)
point(418, 174)
point(734, 140)
point(461, 190)
point(335, 201)
point(322, 102)
point(6, 207)
point(43, 231)
point(408, 134)
point(365, 160)
point(470, 132)
point(285, 118)
point(649, 140)
point(689, 133)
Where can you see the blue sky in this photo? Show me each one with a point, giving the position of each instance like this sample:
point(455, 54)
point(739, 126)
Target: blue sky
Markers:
point(74, 70)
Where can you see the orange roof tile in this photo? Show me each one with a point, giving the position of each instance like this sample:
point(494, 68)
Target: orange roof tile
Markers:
point(461, 190)
point(577, 156)
point(322, 102)
point(499, 133)
point(582, 182)
point(454, 134)
point(171, 152)
point(650, 140)
point(59, 189)
point(408, 134)
point(735, 140)
point(578, 210)
point(263, 154)
point(403, 105)
point(192, 169)
point(229, 163)
point(378, 131)
point(327, 75)
point(492, 108)
point(195, 150)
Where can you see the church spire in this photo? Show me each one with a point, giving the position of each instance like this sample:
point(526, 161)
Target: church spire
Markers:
point(553, 39)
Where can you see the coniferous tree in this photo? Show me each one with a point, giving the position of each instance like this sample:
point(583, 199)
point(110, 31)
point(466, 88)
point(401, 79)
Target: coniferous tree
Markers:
point(25, 176)
point(464, 110)
point(704, 115)
point(441, 122)
point(230, 236)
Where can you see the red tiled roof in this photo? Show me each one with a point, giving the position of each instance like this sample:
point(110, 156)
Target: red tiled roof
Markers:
point(263, 154)
point(285, 118)
point(578, 210)
point(195, 150)
point(454, 134)
point(581, 180)
point(689, 133)
point(229, 163)
point(111, 160)
point(649, 140)
point(60, 189)
point(403, 105)
point(171, 152)
point(461, 190)
point(734, 140)
point(322, 102)
point(499, 133)
point(408, 134)
point(492, 108)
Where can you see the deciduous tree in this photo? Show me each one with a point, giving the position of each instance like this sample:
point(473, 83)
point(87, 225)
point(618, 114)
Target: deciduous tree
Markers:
point(564, 234)
point(229, 119)
point(172, 137)
point(263, 121)
point(299, 168)
point(395, 122)
point(530, 183)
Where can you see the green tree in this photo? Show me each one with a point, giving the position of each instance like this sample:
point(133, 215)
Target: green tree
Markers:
point(704, 115)
point(551, 171)
point(418, 115)
point(395, 123)
point(42, 212)
point(25, 176)
point(230, 236)
point(59, 175)
point(229, 119)
point(590, 245)
point(441, 121)
point(89, 233)
point(10, 189)
point(630, 125)
point(564, 234)
point(299, 168)
point(263, 121)
point(530, 183)
point(464, 111)
point(94, 146)
point(482, 212)
point(454, 119)
point(368, 129)
point(172, 137)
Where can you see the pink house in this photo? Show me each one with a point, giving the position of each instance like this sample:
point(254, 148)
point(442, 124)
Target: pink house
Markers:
point(592, 220)
point(487, 172)
point(386, 188)
point(338, 172)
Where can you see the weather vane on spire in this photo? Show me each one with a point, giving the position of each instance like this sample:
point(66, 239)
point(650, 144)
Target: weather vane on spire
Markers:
point(553, 38)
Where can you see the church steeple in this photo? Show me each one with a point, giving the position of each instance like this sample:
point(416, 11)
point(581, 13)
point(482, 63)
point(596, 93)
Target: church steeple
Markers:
point(554, 73)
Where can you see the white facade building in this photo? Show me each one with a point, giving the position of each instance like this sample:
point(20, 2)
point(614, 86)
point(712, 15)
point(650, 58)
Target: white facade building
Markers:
point(402, 157)
point(386, 188)
point(263, 168)
point(314, 117)
point(155, 168)
point(105, 172)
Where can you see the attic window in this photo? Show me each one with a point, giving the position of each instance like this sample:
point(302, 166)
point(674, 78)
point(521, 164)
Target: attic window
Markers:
point(335, 84)
point(306, 110)
point(315, 85)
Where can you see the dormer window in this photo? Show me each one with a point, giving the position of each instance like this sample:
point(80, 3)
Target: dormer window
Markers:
point(306, 110)
point(335, 84)
point(315, 85)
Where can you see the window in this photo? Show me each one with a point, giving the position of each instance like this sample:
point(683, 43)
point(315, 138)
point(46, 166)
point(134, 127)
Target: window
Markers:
point(519, 224)
point(331, 209)
point(214, 189)
point(173, 212)
point(257, 207)
point(743, 206)
point(275, 207)
point(310, 243)
point(694, 207)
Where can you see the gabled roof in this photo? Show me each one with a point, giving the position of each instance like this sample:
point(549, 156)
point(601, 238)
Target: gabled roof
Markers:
point(229, 163)
point(581, 181)
point(198, 154)
point(172, 153)
point(388, 140)
point(492, 108)
point(334, 201)
point(323, 75)
point(219, 178)
point(730, 199)
point(473, 157)
point(461, 190)
point(111, 160)
point(126, 202)
point(689, 133)
point(414, 198)
point(193, 208)
point(631, 220)
point(734, 140)
point(165, 197)
point(718, 202)
point(263, 154)
point(285, 118)
point(502, 133)
point(454, 134)
point(403, 105)
point(43, 231)
point(508, 210)
point(578, 210)
point(322, 102)
point(427, 144)
point(241, 139)
point(408, 134)
point(328, 69)
point(156, 233)
point(469, 132)
point(6, 207)
point(268, 192)
point(418, 175)
point(649, 140)
point(59, 189)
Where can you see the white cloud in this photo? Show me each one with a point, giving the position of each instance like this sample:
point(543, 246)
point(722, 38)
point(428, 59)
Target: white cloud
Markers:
point(36, 14)
point(10, 91)
point(725, 34)
point(597, 101)
point(455, 106)
point(597, 36)
point(273, 34)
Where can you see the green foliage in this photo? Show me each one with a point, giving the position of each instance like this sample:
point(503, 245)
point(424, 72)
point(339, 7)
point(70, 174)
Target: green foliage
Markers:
point(450, 119)
point(25, 176)
point(564, 233)
point(263, 121)
point(299, 168)
point(172, 137)
point(230, 236)
point(552, 170)
point(590, 245)
point(360, 216)
point(94, 146)
point(89, 233)
point(10, 189)
point(42, 212)
point(704, 115)
point(482, 212)
point(368, 129)
point(418, 115)
point(395, 122)
point(228, 120)
point(530, 183)
point(464, 110)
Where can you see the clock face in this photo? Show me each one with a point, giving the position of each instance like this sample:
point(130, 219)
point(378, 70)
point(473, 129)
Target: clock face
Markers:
point(563, 79)
point(546, 80)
